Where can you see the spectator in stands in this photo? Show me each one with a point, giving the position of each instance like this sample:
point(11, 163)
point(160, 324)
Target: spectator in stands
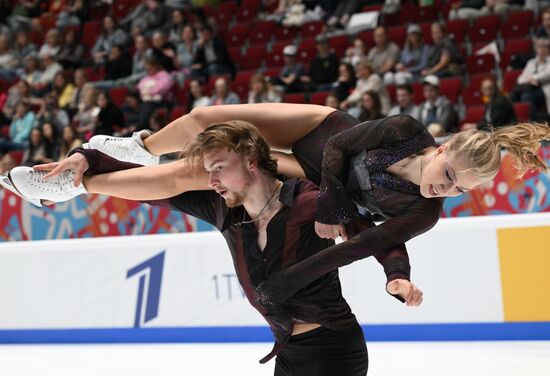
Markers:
point(343, 11)
point(72, 51)
point(130, 110)
point(414, 57)
point(163, 51)
point(499, 111)
point(222, 94)
point(23, 47)
point(332, 101)
point(533, 85)
point(186, 50)
point(62, 89)
point(86, 116)
point(52, 44)
point(52, 144)
point(291, 77)
point(155, 90)
point(158, 121)
point(369, 107)
point(23, 12)
point(118, 65)
point(31, 70)
point(176, 26)
point(80, 81)
point(50, 112)
point(35, 151)
point(110, 35)
point(75, 13)
point(357, 52)
point(475, 8)
point(261, 90)
point(385, 54)
point(17, 93)
point(110, 120)
point(146, 18)
point(196, 97)
point(323, 70)
point(345, 84)
point(69, 141)
point(444, 59)
point(436, 112)
point(404, 95)
point(367, 79)
point(544, 29)
point(49, 69)
point(20, 128)
point(212, 57)
point(8, 60)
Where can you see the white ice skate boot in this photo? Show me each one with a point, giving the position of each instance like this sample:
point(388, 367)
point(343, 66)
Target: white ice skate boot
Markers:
point(126, 149)
point(32, 186)
point(5, 181)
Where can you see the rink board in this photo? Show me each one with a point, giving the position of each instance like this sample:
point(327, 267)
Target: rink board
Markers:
point(484, 278)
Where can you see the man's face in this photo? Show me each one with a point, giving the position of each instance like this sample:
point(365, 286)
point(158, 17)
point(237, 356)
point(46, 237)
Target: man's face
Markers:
point(546, 20)
point(430, 93)
point(404, 98)
point(230, 175)
point(379, 36)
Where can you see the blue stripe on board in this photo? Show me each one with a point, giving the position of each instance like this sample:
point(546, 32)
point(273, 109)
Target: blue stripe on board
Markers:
point(412, 332)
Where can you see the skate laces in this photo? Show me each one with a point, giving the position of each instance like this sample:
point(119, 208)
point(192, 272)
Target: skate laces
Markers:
point(118, 146)
point(63, 182)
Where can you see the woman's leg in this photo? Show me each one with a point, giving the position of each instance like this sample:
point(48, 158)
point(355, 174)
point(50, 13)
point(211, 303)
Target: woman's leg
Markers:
point(281, 124)
point(151, 182)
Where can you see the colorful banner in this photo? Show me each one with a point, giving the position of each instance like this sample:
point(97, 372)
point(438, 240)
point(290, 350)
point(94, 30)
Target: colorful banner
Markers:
point(94, 215)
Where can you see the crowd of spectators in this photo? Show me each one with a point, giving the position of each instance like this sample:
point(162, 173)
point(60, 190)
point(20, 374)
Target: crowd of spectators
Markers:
point(60, 82)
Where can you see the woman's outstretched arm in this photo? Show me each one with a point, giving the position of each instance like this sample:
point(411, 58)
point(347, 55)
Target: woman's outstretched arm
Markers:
point(281, 124)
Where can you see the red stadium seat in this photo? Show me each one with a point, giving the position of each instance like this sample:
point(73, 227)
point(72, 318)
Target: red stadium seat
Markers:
point(275, 57)
point(94, 74)
point(319, 97)
point(224, 12)
point(480, 63)
point(477, 79)
point(177, 112)
point(247, 11)
point(367, 37)
point(471, 96)
point(253, 57)
point(457, 30)
point(288, 34)
point(451, 88)
point(419, 14)
point(391, 91)
point(118, 95)
point(312, 29)
point(418, 92)
point(237, 35)
point(17, 156)
point(235, 53)
point(426, 29)
point(522, 111)
point(515, 47)
point(339, 44)
point(372, 8)
point(517, 25)
point(397, 35)
point(294, 98)
point(272, 72)
point(90, 32)
point(510, 79)
point(307, 51)
point(262, 32)
point(474, 114)
point(484, 29)
point(120, 8)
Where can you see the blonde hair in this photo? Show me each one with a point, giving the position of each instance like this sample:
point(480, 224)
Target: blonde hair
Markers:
point(481, 149)
point(236, 135)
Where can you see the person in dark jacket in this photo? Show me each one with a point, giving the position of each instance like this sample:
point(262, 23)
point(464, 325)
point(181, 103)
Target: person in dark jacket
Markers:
point(212, 56)
point(110, 119)
point(324, 67)
point(119, 64)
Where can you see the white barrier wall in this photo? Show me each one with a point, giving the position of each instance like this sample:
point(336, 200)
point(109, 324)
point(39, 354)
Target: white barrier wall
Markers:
point(472, 270)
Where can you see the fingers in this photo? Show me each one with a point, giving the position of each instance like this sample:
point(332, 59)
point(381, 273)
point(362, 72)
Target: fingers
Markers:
point(78, 176)
point(415, 297)
point(56, 171)
point(46, 166)
point(412, 295)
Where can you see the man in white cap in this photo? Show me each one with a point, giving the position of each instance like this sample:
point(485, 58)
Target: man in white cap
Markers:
point(436, 112)
point(292, 75)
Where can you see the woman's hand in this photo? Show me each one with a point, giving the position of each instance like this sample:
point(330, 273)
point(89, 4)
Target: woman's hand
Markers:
point(331, 231)
point(76, 162)
point(407, 290)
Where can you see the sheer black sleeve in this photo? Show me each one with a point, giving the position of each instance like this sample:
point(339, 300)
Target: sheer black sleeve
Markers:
point(334, 205)
point(417, 219)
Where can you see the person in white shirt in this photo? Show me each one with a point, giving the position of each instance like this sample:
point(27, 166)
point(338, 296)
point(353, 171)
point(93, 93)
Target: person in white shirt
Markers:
point(367, 79)
point(404, 95)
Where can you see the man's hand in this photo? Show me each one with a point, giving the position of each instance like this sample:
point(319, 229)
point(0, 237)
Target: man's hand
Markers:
point(76, 162)
point(331, 231)
point(407, 290)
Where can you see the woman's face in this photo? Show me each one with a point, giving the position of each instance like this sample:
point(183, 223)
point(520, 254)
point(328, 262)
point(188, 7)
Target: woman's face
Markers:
point(68, 134)
point(446, 175)
point(196, 89)
point(47, 129)
point(36, 137)
point(344, 73)
point(102, 100)
point(257, 86)
point(367, 102)
point(177, 17)
point(70, 37)
point(21, 109)
point(187, 34)
point(437, 33)
point(414, 39)
point(359, 46)
point(59, 81)
point(108, 24)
